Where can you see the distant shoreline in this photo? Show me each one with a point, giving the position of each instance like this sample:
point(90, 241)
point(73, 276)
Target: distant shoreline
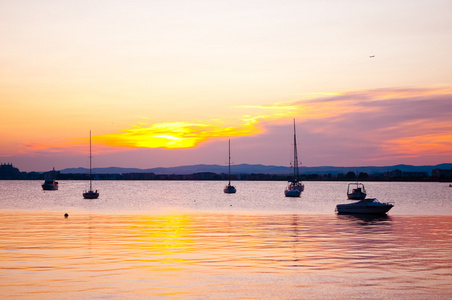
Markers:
point(401, 173)
point(261, 177)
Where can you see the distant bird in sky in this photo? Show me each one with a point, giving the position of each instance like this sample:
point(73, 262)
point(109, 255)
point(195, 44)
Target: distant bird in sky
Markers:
point(372, 56)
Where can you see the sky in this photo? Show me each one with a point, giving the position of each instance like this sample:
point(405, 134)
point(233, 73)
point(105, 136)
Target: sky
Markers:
point(168, 83)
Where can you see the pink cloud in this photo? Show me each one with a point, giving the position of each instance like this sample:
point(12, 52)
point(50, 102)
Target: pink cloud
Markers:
point(385, 125)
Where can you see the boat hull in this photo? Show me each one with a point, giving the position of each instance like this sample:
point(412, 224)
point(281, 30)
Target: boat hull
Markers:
point(292, 193)
point(294, 189)
point(50, 185)
point(90, 195)
point(229, 189)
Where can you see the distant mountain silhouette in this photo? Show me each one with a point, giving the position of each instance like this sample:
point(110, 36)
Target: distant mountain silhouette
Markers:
point(257, 169)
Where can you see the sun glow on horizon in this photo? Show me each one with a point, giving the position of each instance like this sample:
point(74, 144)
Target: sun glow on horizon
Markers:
point(175, 135)
point(332, 108)
point(395, 124)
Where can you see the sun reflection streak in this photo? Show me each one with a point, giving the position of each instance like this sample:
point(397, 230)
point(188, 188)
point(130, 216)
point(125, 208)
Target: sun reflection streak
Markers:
point(223, 255)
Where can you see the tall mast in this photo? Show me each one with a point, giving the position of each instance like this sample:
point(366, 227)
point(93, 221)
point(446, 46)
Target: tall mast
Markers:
point(295, 160)
point(90, 184)
point(229, 176)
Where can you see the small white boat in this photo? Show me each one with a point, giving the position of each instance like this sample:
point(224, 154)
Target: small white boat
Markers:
point(295, 187)
point(365, 206)
point(50, 185)
point(90, 194)
point(356, 193)
point(293, 190)
point(229, 189)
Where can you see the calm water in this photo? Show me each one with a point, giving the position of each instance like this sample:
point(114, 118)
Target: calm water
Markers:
point(188, 240)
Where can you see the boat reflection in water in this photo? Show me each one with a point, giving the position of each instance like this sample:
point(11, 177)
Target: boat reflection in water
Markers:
point(366, 219)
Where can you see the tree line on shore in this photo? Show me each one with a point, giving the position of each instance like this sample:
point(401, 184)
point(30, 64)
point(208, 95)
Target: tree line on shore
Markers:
point(8, 172)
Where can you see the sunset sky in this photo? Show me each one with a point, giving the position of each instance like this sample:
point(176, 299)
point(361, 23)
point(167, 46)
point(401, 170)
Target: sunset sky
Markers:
point(167, 83)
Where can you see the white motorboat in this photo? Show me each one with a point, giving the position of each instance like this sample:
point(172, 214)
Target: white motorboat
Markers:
point(356, 191)
point(90, 194)
point(50, 184)
point(229, 189)
point(295, 187)
point(364, 206)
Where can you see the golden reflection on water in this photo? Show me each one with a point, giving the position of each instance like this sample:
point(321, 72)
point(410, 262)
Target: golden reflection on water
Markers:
point(222, 255)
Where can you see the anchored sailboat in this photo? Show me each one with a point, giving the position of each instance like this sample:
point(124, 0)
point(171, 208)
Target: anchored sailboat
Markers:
point(90, 194)
point(295, 186)
point(229, 189)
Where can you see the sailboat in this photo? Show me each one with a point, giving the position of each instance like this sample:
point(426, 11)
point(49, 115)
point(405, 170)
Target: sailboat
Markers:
point(295, 187)
point(229, 189)
point(90, 194)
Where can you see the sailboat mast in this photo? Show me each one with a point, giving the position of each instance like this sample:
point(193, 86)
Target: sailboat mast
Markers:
point(90, 183)
point(229, 176)
point(295, 162)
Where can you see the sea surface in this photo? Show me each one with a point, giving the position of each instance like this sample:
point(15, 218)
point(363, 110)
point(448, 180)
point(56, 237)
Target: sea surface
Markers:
point(189, 240)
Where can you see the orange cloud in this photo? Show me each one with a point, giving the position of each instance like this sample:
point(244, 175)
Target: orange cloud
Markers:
point(421, 145)
point(426, 138)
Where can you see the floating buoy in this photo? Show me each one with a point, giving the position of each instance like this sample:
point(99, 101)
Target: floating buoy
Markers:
point(66, 215)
